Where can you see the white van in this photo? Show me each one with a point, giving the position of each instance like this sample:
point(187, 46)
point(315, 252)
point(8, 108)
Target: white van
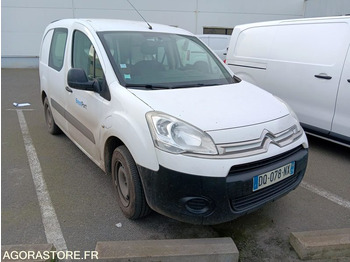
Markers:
point(160, 113)
point(217, 43)
point(306, 62)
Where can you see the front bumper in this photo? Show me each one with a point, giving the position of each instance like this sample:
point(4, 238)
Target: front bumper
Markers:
point(214, 200)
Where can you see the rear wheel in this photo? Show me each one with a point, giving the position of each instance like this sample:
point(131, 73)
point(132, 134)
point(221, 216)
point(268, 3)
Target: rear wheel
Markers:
point(50, 122)
point(127, 184)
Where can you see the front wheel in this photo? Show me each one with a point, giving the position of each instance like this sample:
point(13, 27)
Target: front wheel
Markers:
point(127, 184)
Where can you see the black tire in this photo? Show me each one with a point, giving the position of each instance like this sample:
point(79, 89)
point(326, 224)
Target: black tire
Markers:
point(127, 185)
point(50, 122)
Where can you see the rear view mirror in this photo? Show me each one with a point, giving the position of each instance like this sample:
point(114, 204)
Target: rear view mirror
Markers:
point(77, 79)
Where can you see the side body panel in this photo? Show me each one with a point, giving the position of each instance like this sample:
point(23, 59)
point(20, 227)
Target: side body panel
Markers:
point(301, 62)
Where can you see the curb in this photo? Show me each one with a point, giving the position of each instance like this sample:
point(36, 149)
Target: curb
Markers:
point(28, 253)
point(321, 244)
point(169, 250)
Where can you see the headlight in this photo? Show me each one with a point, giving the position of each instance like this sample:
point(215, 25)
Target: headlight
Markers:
point(175, 136)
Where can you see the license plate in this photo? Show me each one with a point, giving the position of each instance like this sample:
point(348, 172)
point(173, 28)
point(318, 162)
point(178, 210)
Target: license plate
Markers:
point(272, 177)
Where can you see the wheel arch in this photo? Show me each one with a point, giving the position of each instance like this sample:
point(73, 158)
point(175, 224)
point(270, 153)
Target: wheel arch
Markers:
point(111, 144)
point(43, 96)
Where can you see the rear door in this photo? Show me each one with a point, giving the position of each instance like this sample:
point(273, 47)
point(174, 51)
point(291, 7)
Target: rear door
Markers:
point(341, 122)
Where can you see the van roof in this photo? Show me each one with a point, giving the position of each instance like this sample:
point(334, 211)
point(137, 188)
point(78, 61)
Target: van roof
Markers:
point(100, 25)
point(300, 20)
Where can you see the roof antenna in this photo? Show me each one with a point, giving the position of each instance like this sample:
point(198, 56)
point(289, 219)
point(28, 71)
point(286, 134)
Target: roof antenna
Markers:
point(149, 26)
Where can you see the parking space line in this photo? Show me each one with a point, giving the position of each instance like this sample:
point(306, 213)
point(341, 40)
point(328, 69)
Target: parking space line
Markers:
point(52, 227)
point(324, 193)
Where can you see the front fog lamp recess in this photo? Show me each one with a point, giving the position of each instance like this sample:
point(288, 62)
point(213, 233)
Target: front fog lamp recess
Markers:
point(175, 136)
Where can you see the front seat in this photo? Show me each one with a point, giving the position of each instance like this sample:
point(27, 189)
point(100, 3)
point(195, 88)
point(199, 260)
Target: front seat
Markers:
point(149, 64)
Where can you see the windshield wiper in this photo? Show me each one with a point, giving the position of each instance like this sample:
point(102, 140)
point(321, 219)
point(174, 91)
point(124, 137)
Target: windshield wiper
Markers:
point(193, 85)
point(147, 86)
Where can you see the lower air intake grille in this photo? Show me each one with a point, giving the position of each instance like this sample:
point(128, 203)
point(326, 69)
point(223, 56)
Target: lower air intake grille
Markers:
point(256, 198)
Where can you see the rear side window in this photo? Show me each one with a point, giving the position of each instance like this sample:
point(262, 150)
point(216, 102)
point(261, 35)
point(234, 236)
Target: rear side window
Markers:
point(57, 48)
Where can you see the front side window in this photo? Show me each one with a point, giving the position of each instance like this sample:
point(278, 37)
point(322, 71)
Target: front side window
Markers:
point(57, 48)
point(84, 56)
point(159, 60)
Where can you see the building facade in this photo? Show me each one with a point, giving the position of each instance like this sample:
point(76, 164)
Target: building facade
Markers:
point(23, 21)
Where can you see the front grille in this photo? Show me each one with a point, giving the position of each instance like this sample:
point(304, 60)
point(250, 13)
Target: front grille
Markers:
point(263, 195)
point(261, 144)
point(261, 163)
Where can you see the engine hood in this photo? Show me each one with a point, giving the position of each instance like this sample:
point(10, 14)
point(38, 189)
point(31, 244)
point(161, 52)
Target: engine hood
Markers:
point(216, 107)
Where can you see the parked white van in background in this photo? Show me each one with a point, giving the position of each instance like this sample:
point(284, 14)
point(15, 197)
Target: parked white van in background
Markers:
point(217, 43)
point(305, 62)
point(153, 107)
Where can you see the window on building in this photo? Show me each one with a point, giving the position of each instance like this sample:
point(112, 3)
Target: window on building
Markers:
point(57, 48)
point(217, 30)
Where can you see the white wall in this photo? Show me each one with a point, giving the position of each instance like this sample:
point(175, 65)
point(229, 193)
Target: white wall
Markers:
point(316, 8)
point(23, 21)
point(234, 12)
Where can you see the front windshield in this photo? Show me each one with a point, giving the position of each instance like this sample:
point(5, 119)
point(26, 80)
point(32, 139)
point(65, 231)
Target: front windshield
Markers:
point(159, 60)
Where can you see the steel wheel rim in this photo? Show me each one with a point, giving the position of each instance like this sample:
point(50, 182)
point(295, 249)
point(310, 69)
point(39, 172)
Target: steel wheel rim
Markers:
point(121, 184)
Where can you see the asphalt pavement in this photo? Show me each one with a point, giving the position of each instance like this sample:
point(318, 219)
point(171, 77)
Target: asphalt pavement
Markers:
point(87, 212)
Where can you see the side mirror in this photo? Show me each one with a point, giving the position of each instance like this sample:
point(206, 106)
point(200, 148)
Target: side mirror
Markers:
point(77, 79)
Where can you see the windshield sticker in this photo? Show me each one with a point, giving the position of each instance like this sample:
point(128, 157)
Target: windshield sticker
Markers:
point(127, 76)
point(123, 66)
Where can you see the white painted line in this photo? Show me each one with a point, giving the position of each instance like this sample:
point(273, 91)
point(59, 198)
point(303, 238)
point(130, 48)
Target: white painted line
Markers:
point(52, 227)
point(324, 193)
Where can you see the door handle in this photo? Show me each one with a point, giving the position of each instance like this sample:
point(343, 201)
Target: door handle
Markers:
point(323, 77)
point(69, 89)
